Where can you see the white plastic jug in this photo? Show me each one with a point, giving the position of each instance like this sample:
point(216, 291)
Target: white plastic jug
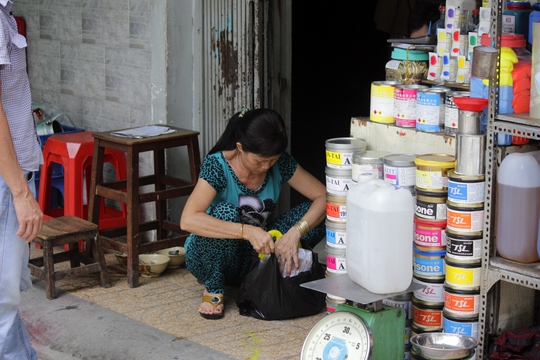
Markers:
point(379, 234)
point(518, 208)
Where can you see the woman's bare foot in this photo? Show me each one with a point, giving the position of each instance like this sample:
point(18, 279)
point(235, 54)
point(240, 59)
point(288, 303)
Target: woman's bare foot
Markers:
point(211, 306)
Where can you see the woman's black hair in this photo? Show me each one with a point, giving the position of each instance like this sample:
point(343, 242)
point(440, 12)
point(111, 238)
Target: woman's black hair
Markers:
point(260, 131)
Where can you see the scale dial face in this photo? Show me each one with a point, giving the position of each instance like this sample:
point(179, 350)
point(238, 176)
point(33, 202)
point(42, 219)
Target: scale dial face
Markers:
point(338, 336)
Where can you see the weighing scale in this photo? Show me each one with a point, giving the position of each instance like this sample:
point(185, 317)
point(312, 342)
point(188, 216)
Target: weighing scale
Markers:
point(369, 330)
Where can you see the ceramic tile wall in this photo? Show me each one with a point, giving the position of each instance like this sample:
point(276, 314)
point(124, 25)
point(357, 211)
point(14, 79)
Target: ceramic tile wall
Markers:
point(92, 58)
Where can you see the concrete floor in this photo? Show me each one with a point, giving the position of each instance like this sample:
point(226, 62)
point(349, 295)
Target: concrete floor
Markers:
point(157, 320)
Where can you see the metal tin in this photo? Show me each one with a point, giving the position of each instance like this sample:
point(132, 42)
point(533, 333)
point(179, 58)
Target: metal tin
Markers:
point(335, 260)
point(336, 234)
point(382, 101)
point(400, 169)
point(339, 151)
point(431, 171)
point(427, 317)
point(430, 205)
point(469, 122)
point(402, 301)
point(464, 218)
point(430, 109)
point(462, 276)
point(464, 249)
point(470, 151)
point(466, 189)
point(429, 264)
point(338, 181)
point(336, 208)
point(369, 162)
point(416, 330)
point(451, 113)
point(405, 99)
point(462, 303)
point(432, 293)
point(464, 326)
point(429, 234)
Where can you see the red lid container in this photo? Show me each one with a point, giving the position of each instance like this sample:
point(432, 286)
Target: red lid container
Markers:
point(507, 40)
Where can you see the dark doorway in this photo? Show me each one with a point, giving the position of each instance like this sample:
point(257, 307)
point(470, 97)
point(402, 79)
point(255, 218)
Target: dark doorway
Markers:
point(336, 54)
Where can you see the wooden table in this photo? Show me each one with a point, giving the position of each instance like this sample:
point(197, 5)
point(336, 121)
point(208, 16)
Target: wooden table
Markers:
point(127, 239)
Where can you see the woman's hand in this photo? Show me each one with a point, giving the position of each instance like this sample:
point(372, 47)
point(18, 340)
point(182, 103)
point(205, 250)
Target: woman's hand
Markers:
point(262, 242)
point(287, 251)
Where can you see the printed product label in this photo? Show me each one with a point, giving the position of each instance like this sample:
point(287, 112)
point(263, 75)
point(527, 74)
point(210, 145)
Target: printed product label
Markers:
point(428, 112)
point(431, 211)
point(382, 104)
point(464, 328)
point(464, 249)
point(465, 277)
point(431, 293)
point(338, 186)
point(340, 160)
point(405, 107)
point(465, 221)
point(470, 193)
point(431, 180)
point(429, 238)
point(336, 238)
point(336, 213)
point(400, 176)
point(428, 267)
point(461, 304)
point(427, 318)
point(451, 115)
point(336, 264)
point(366, 170)
point(405, 305)
point(508, 24)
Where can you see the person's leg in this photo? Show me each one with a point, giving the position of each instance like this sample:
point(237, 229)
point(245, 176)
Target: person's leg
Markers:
point(217, 262)
point(14, 278)
point(287, 220)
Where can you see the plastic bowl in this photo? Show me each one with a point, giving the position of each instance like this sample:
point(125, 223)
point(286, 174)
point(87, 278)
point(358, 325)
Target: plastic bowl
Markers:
point(121, 258)
point(152, 265)
point(468, 103)
point(444, 346)
point(176, 254)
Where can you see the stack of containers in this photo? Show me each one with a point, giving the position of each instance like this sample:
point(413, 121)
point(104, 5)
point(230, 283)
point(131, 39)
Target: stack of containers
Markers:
point(429, 248)
point(339, 160)
point(465, 214)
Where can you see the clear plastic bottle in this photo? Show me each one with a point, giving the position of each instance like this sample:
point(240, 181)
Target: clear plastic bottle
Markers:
point(439, 24)
point(379, 251)
point(518, 208)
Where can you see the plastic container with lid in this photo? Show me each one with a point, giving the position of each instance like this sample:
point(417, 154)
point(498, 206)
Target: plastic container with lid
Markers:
point(379, 240)
point(518, 207)
point(515, 18)
point(407, 66)
point(533, 17)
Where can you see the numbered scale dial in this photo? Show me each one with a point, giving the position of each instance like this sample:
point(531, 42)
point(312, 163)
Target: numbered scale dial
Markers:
point(338, 336)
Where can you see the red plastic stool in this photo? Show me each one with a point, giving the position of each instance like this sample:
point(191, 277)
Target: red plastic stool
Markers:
point(74, 152)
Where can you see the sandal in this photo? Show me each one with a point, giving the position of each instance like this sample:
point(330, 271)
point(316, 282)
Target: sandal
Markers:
point(215, 301)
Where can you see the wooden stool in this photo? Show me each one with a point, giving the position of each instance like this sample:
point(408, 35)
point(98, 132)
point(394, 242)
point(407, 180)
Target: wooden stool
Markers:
point(61, 231)
point(127, 239)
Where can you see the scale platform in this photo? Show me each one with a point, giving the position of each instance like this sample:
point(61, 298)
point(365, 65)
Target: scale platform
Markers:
point(341, 285)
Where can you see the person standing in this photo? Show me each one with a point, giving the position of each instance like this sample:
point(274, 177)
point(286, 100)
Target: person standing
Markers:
point(21, 218)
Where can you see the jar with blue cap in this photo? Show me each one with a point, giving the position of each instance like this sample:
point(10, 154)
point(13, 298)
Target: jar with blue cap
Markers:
point(407, 66)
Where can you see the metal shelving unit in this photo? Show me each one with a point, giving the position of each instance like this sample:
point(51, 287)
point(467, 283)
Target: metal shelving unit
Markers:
point(497, 272)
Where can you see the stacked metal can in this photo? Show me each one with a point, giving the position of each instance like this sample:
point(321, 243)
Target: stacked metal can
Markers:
point(465, 213)
point(339, 160)
point(429, 248)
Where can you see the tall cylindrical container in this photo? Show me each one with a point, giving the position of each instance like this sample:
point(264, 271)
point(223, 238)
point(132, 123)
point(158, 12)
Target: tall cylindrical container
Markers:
point(518, 207)
point(379, 256)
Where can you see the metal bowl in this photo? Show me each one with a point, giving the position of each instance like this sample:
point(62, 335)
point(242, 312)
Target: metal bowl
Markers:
point(443, 346)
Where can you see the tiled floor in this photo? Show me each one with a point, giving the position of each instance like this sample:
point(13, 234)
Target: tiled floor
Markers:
point(170, 301)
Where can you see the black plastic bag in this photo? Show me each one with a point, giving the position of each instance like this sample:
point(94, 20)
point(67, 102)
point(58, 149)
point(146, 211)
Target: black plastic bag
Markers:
point(265, 294)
